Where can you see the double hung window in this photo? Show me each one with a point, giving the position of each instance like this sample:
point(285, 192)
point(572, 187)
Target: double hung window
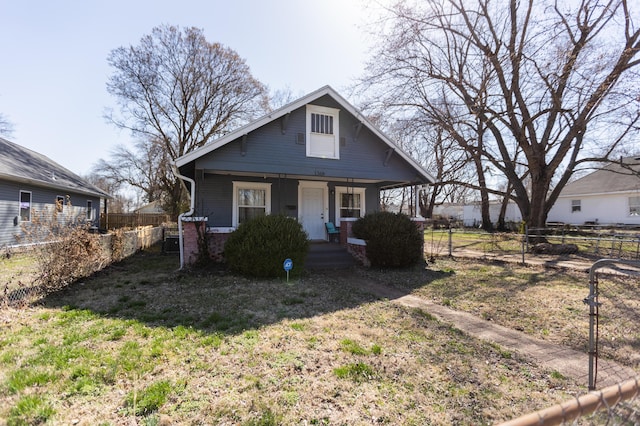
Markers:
point(250, 199)
point(634, 206)
point(25, 206)
point(349, 202)
point(576, 206)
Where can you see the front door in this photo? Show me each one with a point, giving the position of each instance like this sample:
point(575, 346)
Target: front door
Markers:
point(312, 211)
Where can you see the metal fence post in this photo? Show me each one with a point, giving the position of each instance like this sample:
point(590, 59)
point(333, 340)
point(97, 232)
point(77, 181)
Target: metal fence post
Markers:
point(592, 301)
point(450, 242)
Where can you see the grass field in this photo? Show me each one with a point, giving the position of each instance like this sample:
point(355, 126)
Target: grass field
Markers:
point(141, 343)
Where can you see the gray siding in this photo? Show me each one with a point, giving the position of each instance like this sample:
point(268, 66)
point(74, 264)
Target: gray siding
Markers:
point(214, 197)
point(268, 150)
point(42, 207)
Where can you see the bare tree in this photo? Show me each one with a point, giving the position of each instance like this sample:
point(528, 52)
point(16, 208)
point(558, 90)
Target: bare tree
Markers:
point(176, 91)
point(6, 127)
point(120, 203)
point(529, 89)
point(145, 170)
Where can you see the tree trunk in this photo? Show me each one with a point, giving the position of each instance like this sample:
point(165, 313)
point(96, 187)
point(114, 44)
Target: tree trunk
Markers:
point(502, 226)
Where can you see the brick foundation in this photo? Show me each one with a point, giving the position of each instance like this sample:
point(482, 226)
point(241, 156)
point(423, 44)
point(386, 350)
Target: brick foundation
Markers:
point(216, 239)
point(216, 245)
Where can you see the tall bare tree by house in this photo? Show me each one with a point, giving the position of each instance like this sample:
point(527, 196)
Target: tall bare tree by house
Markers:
point(6, 127)
point(529, 89)
point(175, 92)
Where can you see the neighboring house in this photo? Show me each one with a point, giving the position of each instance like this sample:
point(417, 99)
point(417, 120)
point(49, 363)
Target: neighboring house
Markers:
point(154, 207)
point(610, 196)
point(33, 187)
point(453, 211)
point(316, 160)
point(472, 213)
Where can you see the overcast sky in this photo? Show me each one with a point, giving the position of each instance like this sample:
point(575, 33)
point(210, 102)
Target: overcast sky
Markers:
point(53, 58)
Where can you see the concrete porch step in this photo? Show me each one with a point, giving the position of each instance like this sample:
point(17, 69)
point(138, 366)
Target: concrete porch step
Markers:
point(323, 255)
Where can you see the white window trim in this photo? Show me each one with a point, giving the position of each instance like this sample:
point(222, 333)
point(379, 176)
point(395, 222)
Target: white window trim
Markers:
point(20, 204)
point(249, 185)
point(578, 205)
point(637, 206)
point(335, 113)
point(355, 190)
point(90, 215)
point(60, 197)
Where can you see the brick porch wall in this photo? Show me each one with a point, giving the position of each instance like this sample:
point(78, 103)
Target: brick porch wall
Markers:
point(358, 249)
point(216, 237)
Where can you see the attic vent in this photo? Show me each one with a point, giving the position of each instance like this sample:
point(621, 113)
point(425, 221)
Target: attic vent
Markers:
point(300, 139)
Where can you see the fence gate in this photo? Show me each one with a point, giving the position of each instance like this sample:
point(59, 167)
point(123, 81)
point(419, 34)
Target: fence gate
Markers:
point(614, 314)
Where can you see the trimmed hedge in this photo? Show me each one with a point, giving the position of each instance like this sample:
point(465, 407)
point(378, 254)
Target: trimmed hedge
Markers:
point(259, 246)
point(393, 240)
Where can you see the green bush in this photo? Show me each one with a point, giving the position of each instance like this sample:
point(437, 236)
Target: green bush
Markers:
point(259, 246)
point(393, 240)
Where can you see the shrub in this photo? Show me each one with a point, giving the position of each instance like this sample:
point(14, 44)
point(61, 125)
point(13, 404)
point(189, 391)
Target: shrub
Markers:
point(393, 240)
point(259, 246)
point(64, 248)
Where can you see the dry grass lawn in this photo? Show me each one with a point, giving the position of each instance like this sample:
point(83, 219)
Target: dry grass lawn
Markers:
point(141, 343)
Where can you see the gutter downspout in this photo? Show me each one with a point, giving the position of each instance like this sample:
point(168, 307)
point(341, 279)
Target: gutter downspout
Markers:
point(189, 213)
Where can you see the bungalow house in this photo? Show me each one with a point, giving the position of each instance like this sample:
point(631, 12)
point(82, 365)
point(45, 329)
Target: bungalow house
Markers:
point(316, 160)
point(32, 185)
point(609, 196)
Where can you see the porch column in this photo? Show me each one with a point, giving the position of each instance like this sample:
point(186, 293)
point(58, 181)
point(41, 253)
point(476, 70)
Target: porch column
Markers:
point(420, 223)
point(346, 224)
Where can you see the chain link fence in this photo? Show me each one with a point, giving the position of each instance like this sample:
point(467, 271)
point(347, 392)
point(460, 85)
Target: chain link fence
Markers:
point(613, 304)
point(584, 243)
point(614, 314)
point(21, 269)
point(615, 405)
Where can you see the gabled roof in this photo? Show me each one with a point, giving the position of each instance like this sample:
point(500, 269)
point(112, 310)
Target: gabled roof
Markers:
point(19, 164)
point(622, 176)
point(326, 90)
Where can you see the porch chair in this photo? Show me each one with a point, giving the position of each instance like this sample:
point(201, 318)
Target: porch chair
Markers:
point(332, 231)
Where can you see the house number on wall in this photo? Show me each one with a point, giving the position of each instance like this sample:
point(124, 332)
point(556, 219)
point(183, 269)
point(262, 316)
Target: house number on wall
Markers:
point(319, 172)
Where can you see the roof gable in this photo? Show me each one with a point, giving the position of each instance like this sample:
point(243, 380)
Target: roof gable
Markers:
point(287, 109)
point(615, 177)
point(18, 163)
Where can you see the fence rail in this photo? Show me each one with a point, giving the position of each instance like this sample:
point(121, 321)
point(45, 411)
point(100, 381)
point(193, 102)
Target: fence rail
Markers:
point(614, 405)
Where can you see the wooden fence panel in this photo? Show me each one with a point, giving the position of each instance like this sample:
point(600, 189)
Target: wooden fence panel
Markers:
point(132, 220)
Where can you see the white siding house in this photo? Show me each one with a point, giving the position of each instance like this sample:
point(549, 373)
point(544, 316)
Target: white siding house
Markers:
point(472, 213)
point(610, 196)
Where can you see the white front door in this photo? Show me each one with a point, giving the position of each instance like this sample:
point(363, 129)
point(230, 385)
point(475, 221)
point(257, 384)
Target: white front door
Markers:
point(313, 206)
